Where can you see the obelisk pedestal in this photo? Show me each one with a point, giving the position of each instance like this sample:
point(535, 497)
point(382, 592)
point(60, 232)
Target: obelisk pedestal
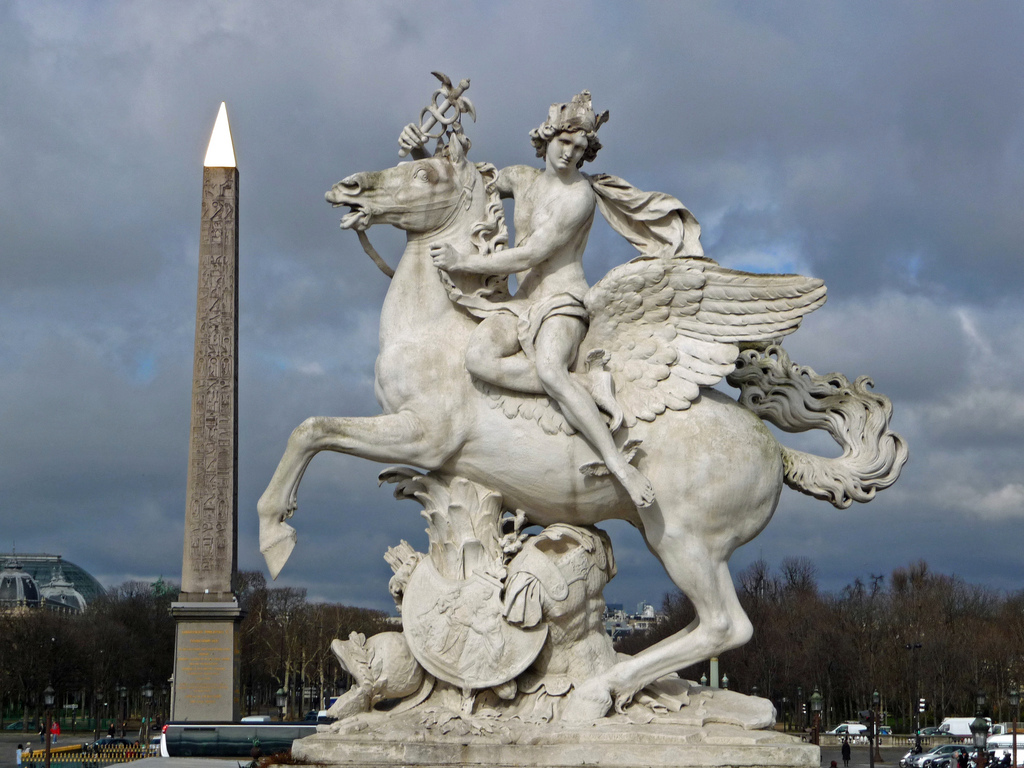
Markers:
point(206, 663)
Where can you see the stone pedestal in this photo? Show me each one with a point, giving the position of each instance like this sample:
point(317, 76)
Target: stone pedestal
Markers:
point(206, 661)
point(615, 743)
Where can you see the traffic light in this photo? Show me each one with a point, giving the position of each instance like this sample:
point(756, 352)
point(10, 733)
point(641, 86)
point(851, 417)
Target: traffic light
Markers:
point(920, 704)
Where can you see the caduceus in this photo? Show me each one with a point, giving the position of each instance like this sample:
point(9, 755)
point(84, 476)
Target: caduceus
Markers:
point(445, 109)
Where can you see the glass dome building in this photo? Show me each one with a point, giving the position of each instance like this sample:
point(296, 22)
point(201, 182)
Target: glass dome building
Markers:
point(54, 580)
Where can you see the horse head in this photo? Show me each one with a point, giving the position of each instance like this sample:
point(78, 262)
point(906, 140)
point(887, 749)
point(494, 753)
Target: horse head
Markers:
point(418, 196)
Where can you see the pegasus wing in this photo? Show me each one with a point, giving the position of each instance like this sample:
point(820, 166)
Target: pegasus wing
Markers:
point(669, 326)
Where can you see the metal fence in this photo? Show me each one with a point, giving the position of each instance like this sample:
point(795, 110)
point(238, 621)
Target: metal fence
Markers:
point(76, 755)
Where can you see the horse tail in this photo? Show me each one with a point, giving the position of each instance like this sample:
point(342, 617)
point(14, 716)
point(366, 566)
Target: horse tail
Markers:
point(796, 399)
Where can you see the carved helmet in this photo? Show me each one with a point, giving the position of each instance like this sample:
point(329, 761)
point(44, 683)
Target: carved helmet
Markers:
point(576, 115)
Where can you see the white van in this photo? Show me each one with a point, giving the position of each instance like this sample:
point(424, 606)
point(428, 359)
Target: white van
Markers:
point(849, 729)
point(958, 727)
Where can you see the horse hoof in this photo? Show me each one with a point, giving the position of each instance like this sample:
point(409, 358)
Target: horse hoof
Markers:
point(276, 545)
point(587, 703)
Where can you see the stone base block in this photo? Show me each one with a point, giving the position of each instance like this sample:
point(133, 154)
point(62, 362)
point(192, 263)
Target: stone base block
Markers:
point(611, 744)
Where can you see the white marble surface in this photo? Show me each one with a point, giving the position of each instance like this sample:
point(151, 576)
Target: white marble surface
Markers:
point(565, 405)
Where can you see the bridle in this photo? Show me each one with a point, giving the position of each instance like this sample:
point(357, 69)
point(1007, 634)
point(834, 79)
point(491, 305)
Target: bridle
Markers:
point(453, 207)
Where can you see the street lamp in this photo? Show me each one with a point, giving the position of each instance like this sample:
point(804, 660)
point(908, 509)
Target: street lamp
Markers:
point(979, 730)
point(876, 704)
point(122, 691)
point(282, 699)
point(48, 701)
point(915, 715)
point(801, 704)
point(816, 709)
point(99, 703)
point(1015, 706)
point(147, 694)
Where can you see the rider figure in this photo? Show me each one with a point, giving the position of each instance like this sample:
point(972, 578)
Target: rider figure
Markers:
point(546, 320)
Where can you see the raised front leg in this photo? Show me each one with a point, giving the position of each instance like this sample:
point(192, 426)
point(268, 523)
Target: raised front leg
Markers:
point(399, 438)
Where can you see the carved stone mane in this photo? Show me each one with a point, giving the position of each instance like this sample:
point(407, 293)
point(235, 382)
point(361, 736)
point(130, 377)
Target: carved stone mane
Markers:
point(488, 235)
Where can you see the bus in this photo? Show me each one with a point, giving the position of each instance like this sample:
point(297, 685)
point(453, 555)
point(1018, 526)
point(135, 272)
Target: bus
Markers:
point(213, 739)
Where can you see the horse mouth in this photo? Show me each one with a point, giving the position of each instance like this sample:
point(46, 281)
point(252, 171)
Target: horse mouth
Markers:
point(358, 218)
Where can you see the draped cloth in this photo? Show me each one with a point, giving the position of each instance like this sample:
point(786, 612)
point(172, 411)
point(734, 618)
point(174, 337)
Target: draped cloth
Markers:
point(651, 221)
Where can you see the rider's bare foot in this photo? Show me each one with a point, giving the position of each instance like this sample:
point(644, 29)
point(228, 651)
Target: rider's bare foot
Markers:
point(636, 484)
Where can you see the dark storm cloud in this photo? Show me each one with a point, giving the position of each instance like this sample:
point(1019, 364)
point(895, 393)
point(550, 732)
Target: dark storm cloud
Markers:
point(879, 146)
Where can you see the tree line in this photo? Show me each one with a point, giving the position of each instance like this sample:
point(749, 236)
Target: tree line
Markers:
point(912, 634)
point(916, 634)
point(99, 661)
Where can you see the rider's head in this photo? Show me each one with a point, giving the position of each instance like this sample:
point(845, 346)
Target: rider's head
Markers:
point(575, 116)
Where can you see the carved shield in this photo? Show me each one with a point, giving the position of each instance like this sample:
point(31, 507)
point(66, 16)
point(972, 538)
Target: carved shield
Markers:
point(456, 631)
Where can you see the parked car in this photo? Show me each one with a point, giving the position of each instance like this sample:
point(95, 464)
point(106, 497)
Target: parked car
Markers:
point(109, 742)
point(910, 760)
point(948, 758)
point(931, 730)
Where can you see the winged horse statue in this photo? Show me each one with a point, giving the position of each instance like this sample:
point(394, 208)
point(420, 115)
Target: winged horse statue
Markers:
point(668, 328)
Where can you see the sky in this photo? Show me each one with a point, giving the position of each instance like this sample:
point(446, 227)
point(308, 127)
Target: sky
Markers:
point(876, 145)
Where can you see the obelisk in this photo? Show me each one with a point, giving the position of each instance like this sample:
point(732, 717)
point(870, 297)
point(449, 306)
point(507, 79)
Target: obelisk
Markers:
point(206, 685)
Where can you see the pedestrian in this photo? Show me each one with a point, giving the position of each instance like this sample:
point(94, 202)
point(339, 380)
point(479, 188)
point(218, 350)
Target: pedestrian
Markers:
point(110, 731)
point(54, 731)
point(846, 753)
point(42, 735)
point(961, 758)
point(18, 755)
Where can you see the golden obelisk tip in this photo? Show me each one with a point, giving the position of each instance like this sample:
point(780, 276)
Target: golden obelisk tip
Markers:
point(221, 152)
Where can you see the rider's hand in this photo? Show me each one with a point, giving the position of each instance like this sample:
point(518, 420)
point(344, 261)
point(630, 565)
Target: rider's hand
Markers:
point(445, 257)
point(412, 139)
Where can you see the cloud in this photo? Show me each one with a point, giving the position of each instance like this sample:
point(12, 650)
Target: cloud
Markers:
point(878, 146)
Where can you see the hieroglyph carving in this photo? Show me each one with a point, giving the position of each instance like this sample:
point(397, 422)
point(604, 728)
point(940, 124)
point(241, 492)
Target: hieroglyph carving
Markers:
point(210, 513)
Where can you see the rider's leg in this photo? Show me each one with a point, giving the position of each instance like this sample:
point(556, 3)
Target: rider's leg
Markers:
point(494, 355)
point(556, 344)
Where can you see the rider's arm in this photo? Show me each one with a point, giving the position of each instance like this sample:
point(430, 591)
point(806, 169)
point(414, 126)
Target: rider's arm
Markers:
point(413, 140)
point(551, 234)
point(511, 179)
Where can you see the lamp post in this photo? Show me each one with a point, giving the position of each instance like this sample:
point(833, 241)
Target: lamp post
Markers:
point(1015, 706)
point(876, 704)
point(800, 707)
point(979, 730)
point(99, 703)
point(916, 696)
point(122, 691)
point(816, 710)
point(147, 696)
point(48, 701)
point(282, 699)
